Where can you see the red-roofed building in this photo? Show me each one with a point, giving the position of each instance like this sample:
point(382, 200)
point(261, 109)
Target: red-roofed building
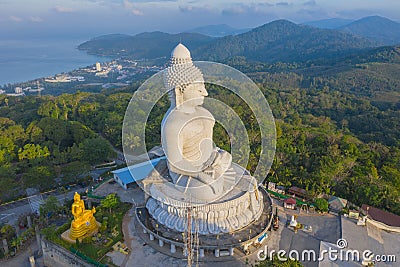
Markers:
point(299, 192)
point(388, 221)
point(289, 203)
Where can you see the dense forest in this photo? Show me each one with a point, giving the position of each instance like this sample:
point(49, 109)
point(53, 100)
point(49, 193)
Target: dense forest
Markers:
point(336, 102)
point(330, 141)
point(43, 146)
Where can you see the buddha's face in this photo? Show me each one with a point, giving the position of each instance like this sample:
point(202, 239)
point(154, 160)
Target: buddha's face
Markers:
point(194, 94)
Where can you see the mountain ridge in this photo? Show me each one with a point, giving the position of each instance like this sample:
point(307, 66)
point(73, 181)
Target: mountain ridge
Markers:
point(332, 23)
point(147, 45)
point(375, 28)
point(217, 30)
point(279, 40)
point(282, 40)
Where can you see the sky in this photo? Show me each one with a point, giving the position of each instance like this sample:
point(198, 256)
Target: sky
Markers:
point(21, 19)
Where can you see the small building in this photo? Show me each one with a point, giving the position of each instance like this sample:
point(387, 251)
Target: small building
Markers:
point(128, 176)
point(336, 204)
point(289, 203)
point(271, 186)
point(354, 214)
point(18, 90)
point(382, 219)
point(98, 66)
point(299, 192)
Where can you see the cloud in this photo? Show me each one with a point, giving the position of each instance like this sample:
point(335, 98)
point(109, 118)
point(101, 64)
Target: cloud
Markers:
point(194, 9)
point(310, 3)
point(131, 7)
point(35, 19)
point(15, 18)
point(63, 9)
point(282, 4)
point(137, 12)
point(235, 10)
point(154, 1)
point(255, 8)
point(128, 5)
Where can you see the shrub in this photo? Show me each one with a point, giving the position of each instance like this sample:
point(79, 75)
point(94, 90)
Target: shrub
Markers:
point(87, 240)
point(321, 204)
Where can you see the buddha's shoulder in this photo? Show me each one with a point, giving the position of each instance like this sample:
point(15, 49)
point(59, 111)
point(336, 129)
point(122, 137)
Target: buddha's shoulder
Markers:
point(173, 121)
point(203, 112)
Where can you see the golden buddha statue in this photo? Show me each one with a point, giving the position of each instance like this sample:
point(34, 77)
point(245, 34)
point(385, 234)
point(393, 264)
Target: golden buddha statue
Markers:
point(84, 223)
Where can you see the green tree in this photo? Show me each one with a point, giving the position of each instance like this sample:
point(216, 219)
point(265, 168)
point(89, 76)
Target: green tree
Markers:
point(16, 133)
point(7, 232)
point(32, 152)
point(7, 147)
point(50, 205)
point(95, 150)
point(34, 133)
point(55, 130)
point(8, 184)
point(321, 204)
point(110, 202)
point(80, 132)
point(275, 262)
point(39, 177)
point(74, 170)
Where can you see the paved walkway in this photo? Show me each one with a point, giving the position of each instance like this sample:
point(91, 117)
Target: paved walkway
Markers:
point(133, 195)
point(142, 254)
point(325, 228)
point(141, 251)
point(22, 258)
point(128, 237)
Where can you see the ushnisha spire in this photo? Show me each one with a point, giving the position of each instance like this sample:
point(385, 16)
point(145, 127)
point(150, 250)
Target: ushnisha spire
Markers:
point(181, 70)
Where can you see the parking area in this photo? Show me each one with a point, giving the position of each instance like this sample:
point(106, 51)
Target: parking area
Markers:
point(132, 195)
point(371, 238)
point(325, 227)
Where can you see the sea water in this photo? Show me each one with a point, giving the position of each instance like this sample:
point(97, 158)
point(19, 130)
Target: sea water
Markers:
point(23, 60)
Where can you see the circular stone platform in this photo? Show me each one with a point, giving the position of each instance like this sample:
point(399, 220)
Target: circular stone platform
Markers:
point(171, 207)
point(217, 244)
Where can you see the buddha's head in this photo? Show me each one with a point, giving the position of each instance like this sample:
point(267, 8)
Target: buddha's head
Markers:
point(77, 197)
point(184, 81)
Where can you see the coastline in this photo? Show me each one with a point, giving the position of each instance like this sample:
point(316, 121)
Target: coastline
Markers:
point(25, 60)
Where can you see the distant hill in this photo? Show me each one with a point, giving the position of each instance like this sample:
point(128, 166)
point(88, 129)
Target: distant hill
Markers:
point(329, 23)
point(279, 40)
point(144, 45)
point(219, 30)
point(384, 54)
point(285, 41)
point(112, 36)
point(376, 28)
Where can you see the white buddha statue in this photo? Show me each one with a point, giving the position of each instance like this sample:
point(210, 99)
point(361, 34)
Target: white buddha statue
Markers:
point(222, 197)
point(195, 164)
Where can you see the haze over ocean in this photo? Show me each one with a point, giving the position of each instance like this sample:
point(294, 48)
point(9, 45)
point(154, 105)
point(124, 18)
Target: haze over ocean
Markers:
point(23, 60)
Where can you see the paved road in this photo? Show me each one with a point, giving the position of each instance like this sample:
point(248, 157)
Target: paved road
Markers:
point(9, 213)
